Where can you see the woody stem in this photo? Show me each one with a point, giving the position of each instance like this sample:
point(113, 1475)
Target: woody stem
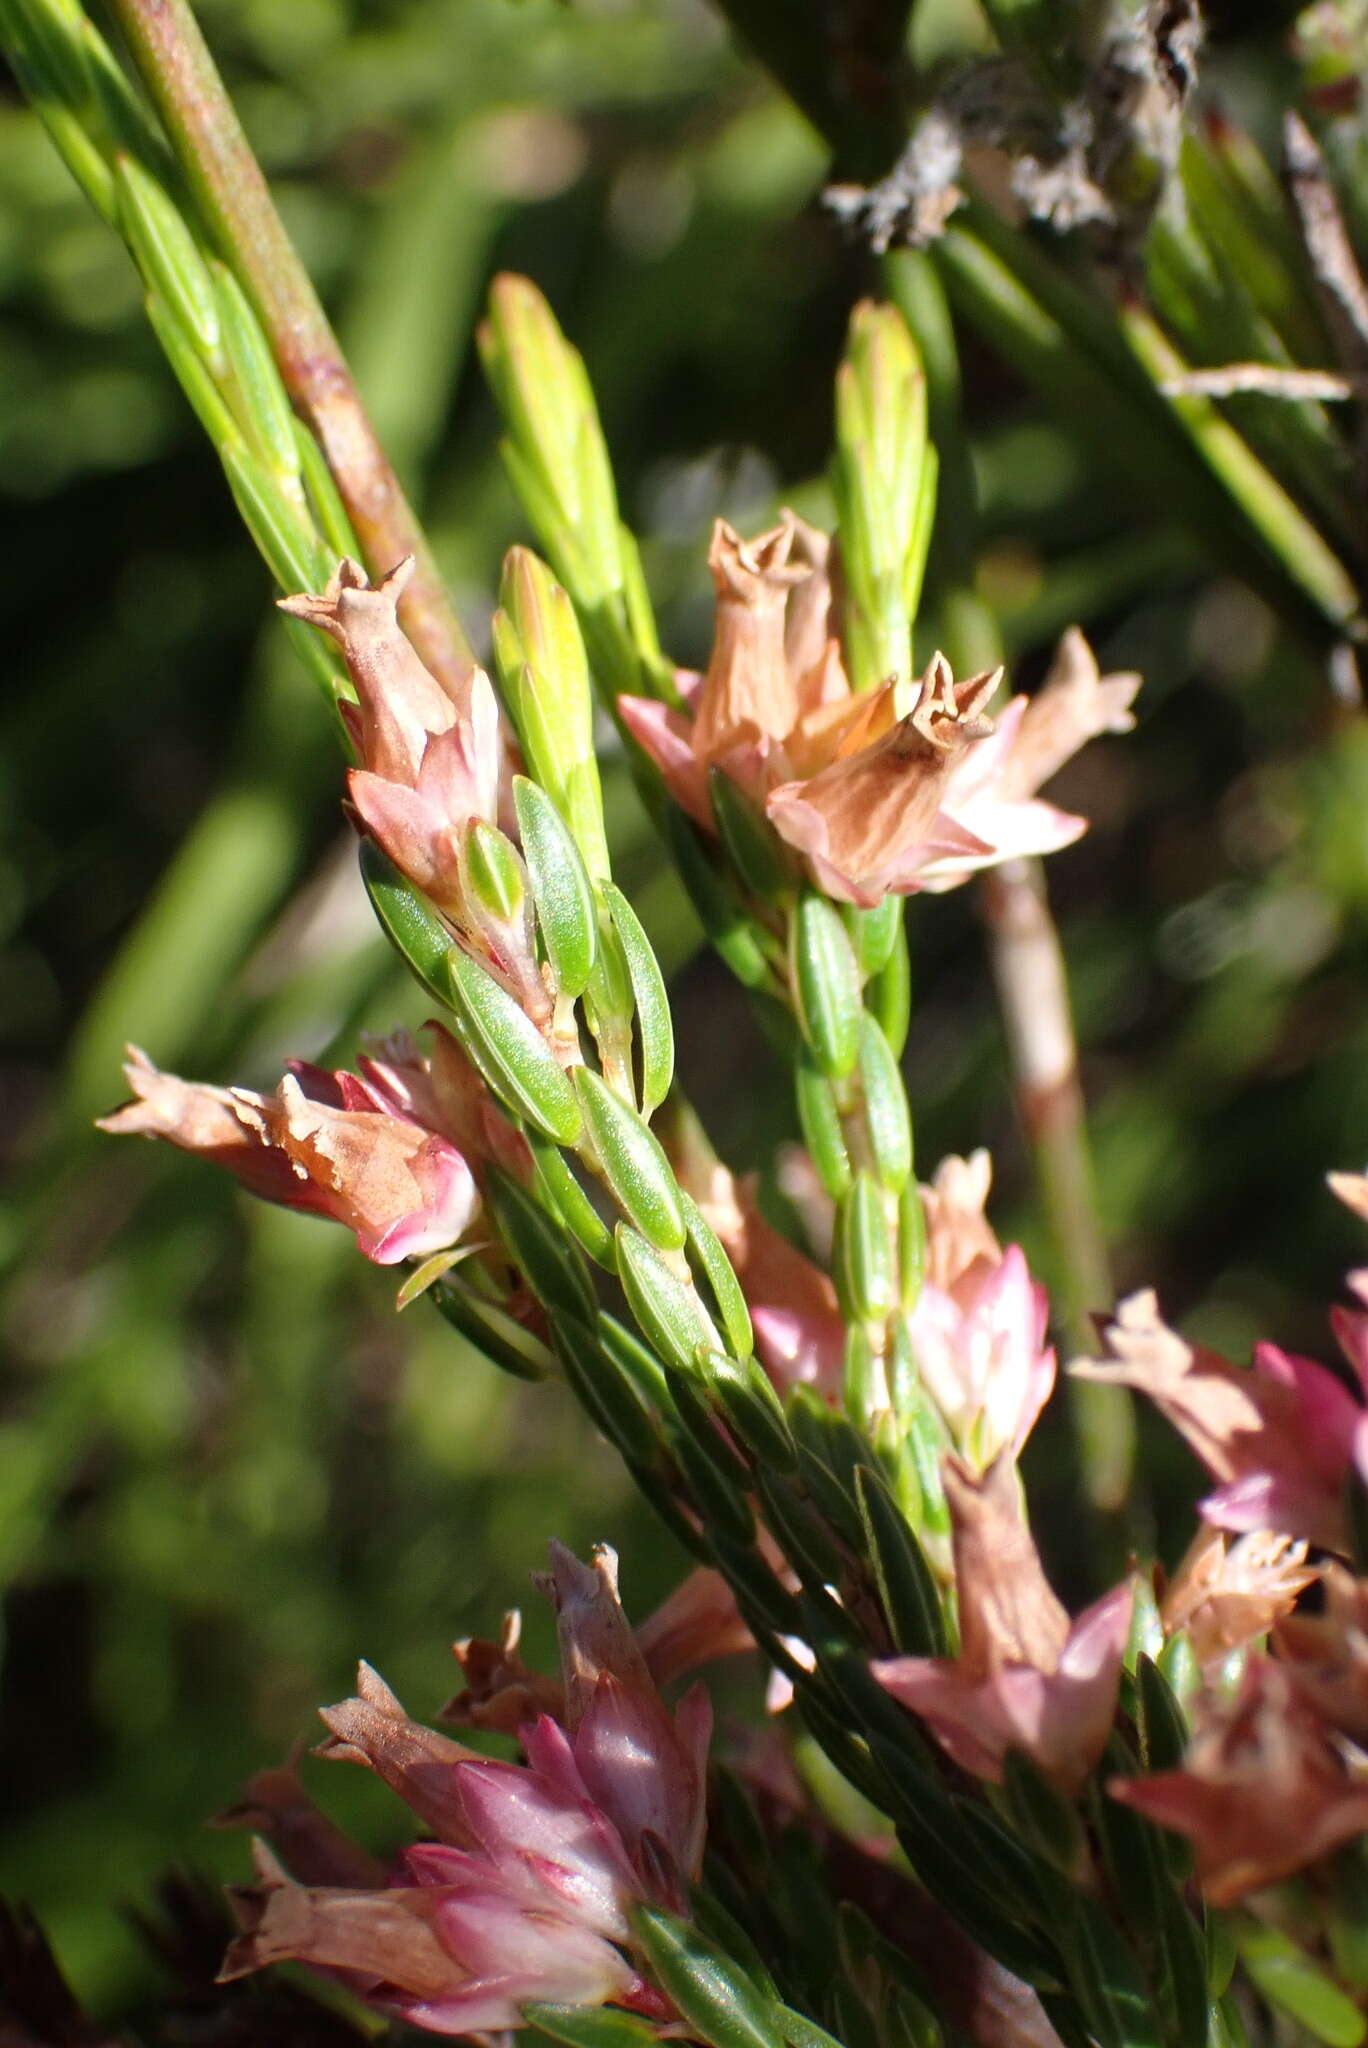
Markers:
point(1028, 968)
point(182, 79)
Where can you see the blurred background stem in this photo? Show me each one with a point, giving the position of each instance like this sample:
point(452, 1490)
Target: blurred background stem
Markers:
point(1033, 991)
point(1029, 971)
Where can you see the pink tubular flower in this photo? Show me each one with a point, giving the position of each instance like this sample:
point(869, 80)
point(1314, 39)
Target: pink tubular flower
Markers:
point(644, 1765)
point(430, 761)
point(459, 1956)
point(1026, 1678)
point(526, 1890)
point(1263, 1790)
point(377, 1153)
point(429, 789)
point(978, 1328)
point(1280, 1439)
point(909, 787)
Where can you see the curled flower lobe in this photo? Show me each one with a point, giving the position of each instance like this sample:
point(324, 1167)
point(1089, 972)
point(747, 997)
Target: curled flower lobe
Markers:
point(749, 691)
point(875, 818)
point(373, 1729)
point(1074, 704)
point(430, 760)
point(500, 1691)
point(398, 704)
point(960, 1241)
point(1227, 1594)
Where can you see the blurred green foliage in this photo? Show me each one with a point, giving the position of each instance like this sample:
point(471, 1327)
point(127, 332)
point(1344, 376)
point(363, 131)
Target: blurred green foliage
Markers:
point(225, 1469)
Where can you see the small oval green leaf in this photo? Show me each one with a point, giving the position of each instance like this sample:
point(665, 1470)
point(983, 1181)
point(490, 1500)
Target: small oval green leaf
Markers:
point(862, 1257)
point(605, 1392)
point(166, 251)
point(560, 887)
point(670, 1314)
point(655, 1029)
point(826, 984)
point(901, 1572)
point(265, 414)
point(874, 933)
point(820, 1121)
point(632, 1162)
point(510, 1051)
point(721, 1278)
point(753, 1411)
point(590, 2026)
point(492, 1331)
point(1289, 1979)
point(565, 1197)
point(412, 927)
point(550, 1259)
point(888, 996)
point(717, 1999)
point(492, 874)
point(886, 1113)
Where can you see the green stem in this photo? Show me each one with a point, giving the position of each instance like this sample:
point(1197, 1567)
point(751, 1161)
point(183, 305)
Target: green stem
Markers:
point(174, 62)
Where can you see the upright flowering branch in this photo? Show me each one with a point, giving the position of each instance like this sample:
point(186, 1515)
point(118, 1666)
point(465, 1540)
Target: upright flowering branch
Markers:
point(836, 1438)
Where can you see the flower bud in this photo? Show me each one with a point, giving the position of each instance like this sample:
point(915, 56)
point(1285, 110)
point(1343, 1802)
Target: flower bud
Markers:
point(883, 471)
point(545, 679)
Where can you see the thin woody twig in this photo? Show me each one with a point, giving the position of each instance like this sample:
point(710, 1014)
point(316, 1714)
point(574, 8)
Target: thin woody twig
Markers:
point(1338, 277)
point(1268, 380)
point(175, 64)
point(1033, 991)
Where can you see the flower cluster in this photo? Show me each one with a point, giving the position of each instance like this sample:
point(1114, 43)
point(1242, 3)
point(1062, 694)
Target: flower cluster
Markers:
point(394, 1153)
point(977, 1330)
point(526, 1888)
point(1276, 1773)
point(908, 787)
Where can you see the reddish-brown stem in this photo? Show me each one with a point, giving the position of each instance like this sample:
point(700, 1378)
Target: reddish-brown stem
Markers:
point(1033, 991)
point(182, 79)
